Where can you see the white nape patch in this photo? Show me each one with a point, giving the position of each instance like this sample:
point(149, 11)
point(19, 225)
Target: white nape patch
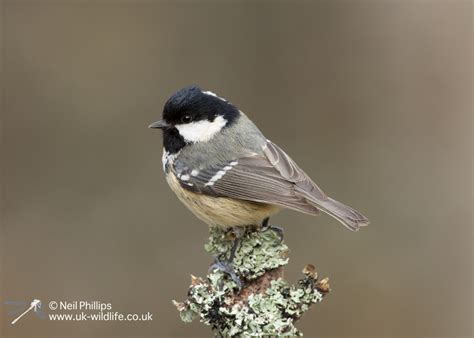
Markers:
point(208, 92)
point(234, 163)
point(194, 172)
point(184, 177)
point(167, 158)
point(220, 173)
point(201, 131)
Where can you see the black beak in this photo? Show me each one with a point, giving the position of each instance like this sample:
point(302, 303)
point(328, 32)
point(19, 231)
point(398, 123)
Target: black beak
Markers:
point(161, 124)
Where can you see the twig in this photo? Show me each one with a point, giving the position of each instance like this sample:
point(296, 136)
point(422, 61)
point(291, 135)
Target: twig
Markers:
point(266, 304)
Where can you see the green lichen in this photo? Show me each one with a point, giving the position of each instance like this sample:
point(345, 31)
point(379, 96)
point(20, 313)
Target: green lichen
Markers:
point(258, 252)
point(272, 310)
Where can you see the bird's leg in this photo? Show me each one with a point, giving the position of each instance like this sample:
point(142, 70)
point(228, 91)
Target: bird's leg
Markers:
point(226, 266)
point(266, 226)
point(233, 250)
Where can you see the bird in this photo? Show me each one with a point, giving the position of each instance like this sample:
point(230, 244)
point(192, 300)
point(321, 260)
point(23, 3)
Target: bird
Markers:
point(222, 167)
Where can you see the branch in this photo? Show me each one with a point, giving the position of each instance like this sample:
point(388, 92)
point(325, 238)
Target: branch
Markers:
point(266, 304)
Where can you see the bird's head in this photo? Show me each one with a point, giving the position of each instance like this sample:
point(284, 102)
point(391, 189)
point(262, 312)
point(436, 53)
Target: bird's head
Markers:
point(192, 115)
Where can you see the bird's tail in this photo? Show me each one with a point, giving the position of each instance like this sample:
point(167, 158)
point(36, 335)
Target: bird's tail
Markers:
point(350, 218)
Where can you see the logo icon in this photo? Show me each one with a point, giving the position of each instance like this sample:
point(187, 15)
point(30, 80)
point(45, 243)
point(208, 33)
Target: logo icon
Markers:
point(19, 306)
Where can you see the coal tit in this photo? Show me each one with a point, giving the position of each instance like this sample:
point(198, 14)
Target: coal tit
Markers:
point(227, 173)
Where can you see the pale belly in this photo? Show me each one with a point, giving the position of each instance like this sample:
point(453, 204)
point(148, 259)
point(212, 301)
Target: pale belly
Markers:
point(221, 211)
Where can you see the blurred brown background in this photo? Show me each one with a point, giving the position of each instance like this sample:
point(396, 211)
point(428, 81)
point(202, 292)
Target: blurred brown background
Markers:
point(373, 99)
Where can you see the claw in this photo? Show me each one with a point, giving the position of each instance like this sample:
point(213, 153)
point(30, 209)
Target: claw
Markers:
point(228, 269)
point(278, 230)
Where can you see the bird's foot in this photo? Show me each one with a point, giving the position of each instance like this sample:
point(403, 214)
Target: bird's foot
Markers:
point(228, 269)
point(266, 226)
point(226, 266)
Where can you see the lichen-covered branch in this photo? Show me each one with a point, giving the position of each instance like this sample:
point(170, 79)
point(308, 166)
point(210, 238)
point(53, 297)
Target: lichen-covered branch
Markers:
point(266, 304)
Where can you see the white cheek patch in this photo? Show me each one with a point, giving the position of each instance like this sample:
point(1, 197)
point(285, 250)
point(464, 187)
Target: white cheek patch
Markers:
point(201, 131)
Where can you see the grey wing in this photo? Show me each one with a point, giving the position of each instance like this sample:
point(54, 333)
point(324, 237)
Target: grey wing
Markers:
point(290, 171)
point(272, 178)
point(305, 187)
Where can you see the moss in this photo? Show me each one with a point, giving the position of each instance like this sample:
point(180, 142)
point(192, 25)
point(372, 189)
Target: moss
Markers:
point(272, 310)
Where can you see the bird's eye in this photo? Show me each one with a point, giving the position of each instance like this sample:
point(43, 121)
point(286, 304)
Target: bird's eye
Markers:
point(186, 119)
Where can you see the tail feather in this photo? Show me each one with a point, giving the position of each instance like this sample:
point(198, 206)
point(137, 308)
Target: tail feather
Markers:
point(350, 218)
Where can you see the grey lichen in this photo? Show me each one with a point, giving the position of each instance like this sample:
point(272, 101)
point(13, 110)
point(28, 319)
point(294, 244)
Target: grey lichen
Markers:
point(267, 304)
